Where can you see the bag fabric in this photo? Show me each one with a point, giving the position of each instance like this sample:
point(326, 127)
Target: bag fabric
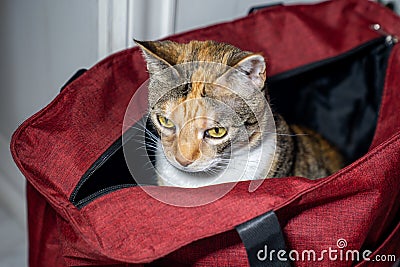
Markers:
point(85, 222)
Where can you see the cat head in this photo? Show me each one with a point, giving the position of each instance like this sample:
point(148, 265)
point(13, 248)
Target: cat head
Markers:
point(206, 100)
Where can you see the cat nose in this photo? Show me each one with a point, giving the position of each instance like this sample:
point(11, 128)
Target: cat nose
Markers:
point(187, 150)
point(183, 161)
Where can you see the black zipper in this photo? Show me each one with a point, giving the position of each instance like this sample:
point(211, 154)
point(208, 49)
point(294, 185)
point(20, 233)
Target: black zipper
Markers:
point(96, 165)
point(117, 145)
point(83, 202)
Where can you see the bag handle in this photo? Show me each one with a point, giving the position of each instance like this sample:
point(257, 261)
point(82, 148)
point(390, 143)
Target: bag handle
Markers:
point(263, 239)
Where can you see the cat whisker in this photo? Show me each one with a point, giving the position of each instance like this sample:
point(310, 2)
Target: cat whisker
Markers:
point(150, 166)
point(147, 138)
point(149, 153)
point(149, 134)
point(152, 149)
point(283, 134)
point(147, 146)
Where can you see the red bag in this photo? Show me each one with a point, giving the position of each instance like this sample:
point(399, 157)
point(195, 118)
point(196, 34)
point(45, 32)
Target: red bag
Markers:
point(331, 67)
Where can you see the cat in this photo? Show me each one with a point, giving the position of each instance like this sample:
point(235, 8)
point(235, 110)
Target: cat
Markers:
point(210, 107)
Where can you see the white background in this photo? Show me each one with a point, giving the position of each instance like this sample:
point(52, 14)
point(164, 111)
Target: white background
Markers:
point(43, 42)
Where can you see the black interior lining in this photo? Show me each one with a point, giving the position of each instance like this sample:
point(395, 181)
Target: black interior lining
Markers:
point(338, 97)
point(124, 164)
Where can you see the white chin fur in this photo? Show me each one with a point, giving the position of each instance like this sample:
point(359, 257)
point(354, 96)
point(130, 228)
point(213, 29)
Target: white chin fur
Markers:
point(244, 165)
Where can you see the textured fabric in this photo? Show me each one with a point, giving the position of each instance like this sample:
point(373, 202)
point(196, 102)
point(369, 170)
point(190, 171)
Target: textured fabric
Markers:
point(56, 146)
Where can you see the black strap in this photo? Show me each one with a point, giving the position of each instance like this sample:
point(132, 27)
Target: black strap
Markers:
point(263, 240)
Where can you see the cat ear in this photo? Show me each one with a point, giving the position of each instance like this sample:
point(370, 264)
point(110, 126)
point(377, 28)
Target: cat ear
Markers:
point(159, 55)
point(254, 67)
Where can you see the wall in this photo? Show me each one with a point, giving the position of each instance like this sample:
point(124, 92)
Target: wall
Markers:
point(43, 43)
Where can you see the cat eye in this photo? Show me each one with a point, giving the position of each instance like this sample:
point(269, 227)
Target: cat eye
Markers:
point(216, 132)
point(167, 123)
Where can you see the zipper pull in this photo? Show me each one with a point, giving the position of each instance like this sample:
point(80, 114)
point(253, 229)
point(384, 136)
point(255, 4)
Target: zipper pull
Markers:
point(390, 39)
